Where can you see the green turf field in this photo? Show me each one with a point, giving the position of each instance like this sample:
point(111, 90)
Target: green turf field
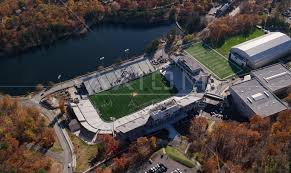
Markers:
point(232, 41)
point(215, 62)
point(133, 96)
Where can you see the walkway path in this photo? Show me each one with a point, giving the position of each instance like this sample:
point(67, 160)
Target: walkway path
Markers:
point(61, 134)
point(56, 156)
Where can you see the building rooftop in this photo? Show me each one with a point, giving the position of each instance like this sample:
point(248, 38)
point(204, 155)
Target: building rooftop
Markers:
point(187, 62)
point(74, 125)
point(91, 120)
point(274, 77)
point(263, 43)
point(156, 111)
point(89, 117)
point(258, 98)
point(264, 46)
point(111, 77)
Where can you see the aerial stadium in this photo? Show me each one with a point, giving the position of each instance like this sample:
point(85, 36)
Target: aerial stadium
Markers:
point(136, 98)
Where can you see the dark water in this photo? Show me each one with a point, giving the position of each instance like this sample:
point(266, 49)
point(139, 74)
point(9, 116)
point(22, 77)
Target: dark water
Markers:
point(70, 58)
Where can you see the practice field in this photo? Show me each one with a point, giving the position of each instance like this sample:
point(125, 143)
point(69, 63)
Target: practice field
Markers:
point(131, 97)
point(235, 40)
point(215, 62)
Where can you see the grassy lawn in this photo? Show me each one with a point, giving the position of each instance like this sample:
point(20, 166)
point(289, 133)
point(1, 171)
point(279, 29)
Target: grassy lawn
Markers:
point(57, 148)
point(228, 43)
point(179, 157)
point(216, 63)
point(133, 96)
point(84, 153)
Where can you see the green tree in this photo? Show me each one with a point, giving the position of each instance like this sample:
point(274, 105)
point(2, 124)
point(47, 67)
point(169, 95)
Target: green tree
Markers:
point(41, 170)
point(152, 47)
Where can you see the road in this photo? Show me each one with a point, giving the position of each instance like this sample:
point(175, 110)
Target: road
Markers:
point(68, 156)
point(56, 156)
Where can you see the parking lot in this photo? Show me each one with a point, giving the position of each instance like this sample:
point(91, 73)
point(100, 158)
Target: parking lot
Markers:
point(170, 164)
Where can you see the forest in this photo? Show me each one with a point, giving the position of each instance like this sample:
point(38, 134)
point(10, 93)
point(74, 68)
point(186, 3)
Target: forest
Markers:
point(21, 125)
point(228, 26)
point(29, 23)
point(260, 145)
point(136, 153)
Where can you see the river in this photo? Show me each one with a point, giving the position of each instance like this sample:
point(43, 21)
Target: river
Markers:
point(72, 57)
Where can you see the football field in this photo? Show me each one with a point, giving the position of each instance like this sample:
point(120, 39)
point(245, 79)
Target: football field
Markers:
point(213, 61)
point(131, 97)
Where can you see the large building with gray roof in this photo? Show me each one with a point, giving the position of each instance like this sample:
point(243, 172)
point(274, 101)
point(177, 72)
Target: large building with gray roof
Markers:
point(138, 123)
point(252, 98)
point(261, 51)
point(189, 65)
point(147, 120)
point(277, 78)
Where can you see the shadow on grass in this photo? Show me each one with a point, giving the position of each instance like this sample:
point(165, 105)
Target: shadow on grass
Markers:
point(237, 69)
point(221, 42)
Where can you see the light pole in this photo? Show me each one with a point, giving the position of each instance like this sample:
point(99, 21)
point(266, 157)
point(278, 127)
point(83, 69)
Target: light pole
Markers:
point(113, 119)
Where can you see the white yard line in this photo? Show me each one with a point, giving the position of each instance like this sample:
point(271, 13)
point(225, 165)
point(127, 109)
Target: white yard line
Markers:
point(230, 76)
point(224, 57)
point(240, 69)
point(208, 68)
point(202, 65)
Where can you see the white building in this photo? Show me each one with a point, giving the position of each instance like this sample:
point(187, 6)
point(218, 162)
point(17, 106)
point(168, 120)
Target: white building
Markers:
point(173, 108)
point(261, 51)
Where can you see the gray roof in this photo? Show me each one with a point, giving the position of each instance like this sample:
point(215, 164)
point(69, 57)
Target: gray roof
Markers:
point(90, 119)
point(258, 98)
point(274, 77)
point(155, 111)
point(111, 77)
point(267, 47)
point(74, 125)
point(188, 63)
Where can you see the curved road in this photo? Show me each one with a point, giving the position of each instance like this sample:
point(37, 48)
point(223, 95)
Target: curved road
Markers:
point(68, 158)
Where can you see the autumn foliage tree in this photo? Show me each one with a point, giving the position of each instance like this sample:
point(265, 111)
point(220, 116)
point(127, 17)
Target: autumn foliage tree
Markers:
point(260, 145)
point(19, 126)
point(26, 24)
point(141, 149)
point(222, 28)
point(120, 164)
point(103, 170)
point(47, 138)
point(110, 145)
